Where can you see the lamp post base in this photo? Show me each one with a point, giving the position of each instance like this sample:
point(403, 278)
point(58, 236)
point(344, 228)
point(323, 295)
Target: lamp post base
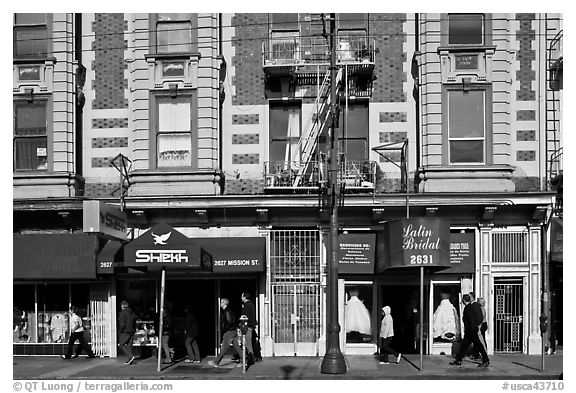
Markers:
point(333, 363)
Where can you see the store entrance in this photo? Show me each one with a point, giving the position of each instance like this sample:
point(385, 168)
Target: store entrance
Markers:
point(404, 303)
point(201, 295)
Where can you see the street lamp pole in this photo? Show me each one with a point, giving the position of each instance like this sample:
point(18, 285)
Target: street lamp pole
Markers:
point(333, 362)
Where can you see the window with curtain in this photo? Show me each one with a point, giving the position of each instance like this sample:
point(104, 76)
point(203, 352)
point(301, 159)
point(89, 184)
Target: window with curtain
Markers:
point(30, 35)
point(466, 29)
point(30, 141)
point(467, 126)
point(284, 133)
point(174, 33)
point(174, 134)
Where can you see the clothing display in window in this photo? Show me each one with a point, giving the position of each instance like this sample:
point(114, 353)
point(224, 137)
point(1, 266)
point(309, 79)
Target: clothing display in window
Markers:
point(445, 322)
point(58, 327)
point(357, 315)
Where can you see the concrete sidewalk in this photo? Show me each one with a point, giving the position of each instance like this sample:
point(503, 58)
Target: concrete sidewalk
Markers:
point(510, 367)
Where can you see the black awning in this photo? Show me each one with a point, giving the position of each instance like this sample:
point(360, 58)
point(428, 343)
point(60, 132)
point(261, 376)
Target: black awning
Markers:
point(109, 257)
point(235, 254)
point(54, 256)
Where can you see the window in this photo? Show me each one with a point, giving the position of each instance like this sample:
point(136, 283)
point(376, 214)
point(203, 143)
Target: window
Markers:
point(284, 38)
point(358, 313)
point(174, 33)
point(465, 29)
point(174, 132)
point(467, 126)
point(30, 35)
point(30, 138)
point(284, 133)
point(352, 38)
point(353, 135)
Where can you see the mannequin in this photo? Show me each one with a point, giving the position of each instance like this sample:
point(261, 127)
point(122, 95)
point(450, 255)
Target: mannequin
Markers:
point(357, 315)
point(445, 323)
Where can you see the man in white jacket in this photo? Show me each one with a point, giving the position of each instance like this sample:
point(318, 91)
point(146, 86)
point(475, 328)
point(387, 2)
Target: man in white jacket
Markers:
point(386, 335)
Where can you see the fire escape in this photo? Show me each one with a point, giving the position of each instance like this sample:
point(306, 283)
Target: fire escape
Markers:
point(553, 117)
point(297, 66)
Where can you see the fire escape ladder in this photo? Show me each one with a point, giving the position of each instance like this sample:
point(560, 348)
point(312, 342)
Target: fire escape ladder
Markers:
point(314, 125)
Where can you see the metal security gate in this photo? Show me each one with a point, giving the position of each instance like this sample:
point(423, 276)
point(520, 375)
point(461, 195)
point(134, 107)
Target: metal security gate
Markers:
point(508, 315)
point(101, 324)
point(296, 311)
point(295, 287)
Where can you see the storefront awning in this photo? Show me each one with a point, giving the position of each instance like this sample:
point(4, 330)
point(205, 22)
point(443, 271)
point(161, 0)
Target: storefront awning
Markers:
point(164, 247)
point(109, 257)
point(556, 239)
point(235, 254)
point(54, 256)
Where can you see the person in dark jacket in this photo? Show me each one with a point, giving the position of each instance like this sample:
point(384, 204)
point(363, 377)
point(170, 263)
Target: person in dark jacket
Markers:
point(472, 318)
point(167, 328)
point(191, 331)
point(249, 310)
point(228, 325)
point(126, 330)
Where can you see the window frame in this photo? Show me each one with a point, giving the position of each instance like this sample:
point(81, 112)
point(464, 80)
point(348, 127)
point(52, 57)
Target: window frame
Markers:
point(295, 105)
point(486, 30)
point(24, 26)
point(48, 135)
point(153, 27)
point(488, 159)
point(343, 130)
point(191, 97)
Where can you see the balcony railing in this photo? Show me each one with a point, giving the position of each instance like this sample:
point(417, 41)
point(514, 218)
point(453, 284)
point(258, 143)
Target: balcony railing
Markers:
point(293, 50)
point(354, 175)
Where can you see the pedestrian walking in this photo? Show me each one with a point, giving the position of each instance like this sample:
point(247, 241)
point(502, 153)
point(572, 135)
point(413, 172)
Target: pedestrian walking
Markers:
point(386, 336)
point(77, 333)
point(126, 330)
point(472, 319)
point(229, 327)
point(167, 330)
point(191, 331)
point(249, 310)
point(483, 326)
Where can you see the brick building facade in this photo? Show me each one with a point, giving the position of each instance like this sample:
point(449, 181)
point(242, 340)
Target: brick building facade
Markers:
point(224, 120)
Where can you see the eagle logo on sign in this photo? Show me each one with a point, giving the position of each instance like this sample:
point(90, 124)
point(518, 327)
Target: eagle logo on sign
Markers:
point(161, 239)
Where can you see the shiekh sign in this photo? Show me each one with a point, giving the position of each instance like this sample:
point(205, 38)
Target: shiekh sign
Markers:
point(164, 246)
point(416, 242)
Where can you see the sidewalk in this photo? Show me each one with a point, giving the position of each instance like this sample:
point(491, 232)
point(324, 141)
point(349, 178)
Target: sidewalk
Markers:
point(511, 367)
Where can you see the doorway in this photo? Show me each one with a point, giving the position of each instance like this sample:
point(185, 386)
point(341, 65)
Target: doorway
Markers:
point(508, 315)
point(404, 301)
point(201, 295)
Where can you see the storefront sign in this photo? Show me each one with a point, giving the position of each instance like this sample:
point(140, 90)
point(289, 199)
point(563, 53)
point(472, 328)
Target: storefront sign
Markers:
point(415, 242)
point(235, 254)
point(54, 256)
point(556, 239)
point(163, 246)
point(462, 253)
point(109, 257)
point(100, 217)
point(356, 253)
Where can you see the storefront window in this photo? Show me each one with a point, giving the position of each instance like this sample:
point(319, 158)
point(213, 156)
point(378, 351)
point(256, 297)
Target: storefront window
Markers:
point(141, 295)
point(358, 316)
point(53, 317)
point(24, 326)
point(446, 317)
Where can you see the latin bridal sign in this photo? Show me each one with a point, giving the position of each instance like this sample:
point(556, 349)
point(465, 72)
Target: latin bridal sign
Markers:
point(418, 242)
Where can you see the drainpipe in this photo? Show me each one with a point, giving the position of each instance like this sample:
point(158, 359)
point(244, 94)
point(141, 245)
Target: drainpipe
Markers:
point(221, 102)
point(416, 95)
point(78, 113)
